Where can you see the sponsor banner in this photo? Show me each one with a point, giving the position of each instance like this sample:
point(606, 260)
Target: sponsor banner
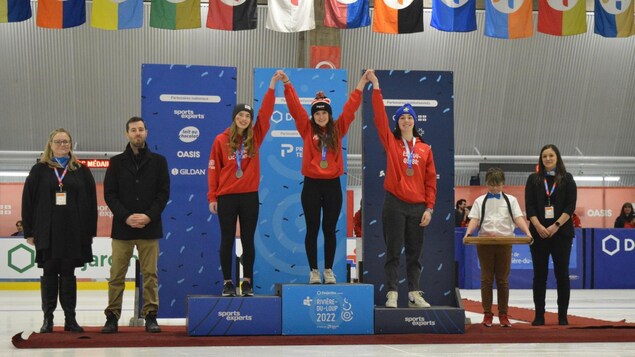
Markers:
point(17, 261)
point(233, 316)
point(280, 253)
point(339, 309)
point(613, 258)
point(431, 94)
point(185, 107)
point(440, 319)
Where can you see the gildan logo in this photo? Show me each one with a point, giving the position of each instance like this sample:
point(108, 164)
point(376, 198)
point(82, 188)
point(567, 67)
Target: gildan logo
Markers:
point(398, 4)
point(508, 7)
point(615, 7)
point(454, 3)
point(611, 245)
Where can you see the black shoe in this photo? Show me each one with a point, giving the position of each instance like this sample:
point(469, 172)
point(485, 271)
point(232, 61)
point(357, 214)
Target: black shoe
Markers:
point(538, 321)
point(47, 325)
point(151, 323)
point(246, 289)
point(70, 324)
point(111, 325)
point(229, 289)
point(562, 321)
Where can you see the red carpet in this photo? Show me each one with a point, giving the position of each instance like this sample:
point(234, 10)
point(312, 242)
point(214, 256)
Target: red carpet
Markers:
point(581, 329)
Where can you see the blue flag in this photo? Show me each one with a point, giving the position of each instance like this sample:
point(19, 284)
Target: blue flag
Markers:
point(454, 15)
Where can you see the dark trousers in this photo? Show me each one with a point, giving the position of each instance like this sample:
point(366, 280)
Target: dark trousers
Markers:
point(401, 228)
point(321, 198)
point(243, 207)
point(559, 247)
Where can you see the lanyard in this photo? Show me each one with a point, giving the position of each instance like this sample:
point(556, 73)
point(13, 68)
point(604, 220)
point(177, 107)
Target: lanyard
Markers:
point(239, 155)
point(60, 178)
point(408, 152)
point(324, 153)
point(549, 193)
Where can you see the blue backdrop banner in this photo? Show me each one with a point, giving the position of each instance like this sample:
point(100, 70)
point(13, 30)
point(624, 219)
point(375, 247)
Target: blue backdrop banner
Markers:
point(185, 107)
point(613, 257)
point(432, 96)
point(279, 241)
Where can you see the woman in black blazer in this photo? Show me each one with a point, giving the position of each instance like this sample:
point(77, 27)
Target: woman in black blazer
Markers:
point(550, 199)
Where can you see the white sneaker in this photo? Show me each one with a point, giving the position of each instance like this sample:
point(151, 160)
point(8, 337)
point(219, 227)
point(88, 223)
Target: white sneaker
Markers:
point(415, 299)
point(329, 276)
point(314, 277)
point(391, 299)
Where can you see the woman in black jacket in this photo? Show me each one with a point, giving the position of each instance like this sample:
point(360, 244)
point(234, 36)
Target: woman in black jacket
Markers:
point(550, 199)
point(59, 214)
point(625, 219)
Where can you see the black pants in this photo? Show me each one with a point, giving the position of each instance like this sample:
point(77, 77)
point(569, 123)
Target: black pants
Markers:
point(401, 228)
point(559, 247)
point(243, 206)
point(321, 198)
point(58, 267)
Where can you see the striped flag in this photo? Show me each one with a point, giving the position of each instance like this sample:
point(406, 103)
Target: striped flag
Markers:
point(346, 14)
point(454, 15)
point(175, 14)
point(117, 14)
point(562, 17)
point(15, 10)
point(614, 18)
point(56, 14)
point(508, 19)
point(290, 15)
point(398, 16)
point(232, 15)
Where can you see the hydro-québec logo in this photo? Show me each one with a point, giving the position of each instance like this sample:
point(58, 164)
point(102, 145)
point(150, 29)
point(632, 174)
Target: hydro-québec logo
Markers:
point(612, 245)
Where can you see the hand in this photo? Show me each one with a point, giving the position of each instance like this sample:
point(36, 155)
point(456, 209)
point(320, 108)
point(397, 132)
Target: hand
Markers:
point(425, 219)
point(370, 75)
point(30, 241)
point(552, 229)
point(283, 76)
point(137, 220)
point(276, 77)
point(542, 231)
point(213, 207)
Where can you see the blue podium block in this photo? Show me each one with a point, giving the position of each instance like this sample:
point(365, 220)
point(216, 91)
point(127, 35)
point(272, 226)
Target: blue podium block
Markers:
point(230, 316)
point(337, 309)
point(441, 319)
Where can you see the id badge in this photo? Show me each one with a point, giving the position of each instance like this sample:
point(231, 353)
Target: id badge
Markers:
point(549, 213)
point(60, 198)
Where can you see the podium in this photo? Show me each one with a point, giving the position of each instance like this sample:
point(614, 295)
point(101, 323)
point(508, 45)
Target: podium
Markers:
point(329, 309)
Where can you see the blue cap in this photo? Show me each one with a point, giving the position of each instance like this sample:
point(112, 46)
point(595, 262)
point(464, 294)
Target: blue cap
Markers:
point(405, 109)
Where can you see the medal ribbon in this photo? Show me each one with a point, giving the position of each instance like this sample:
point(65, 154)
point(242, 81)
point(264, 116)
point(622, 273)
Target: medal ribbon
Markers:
point(60, 178)
point(239, 155)
point(409, 153)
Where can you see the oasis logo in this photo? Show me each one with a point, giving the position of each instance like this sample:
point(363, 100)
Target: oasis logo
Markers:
point(188, 154)
point(189, 134)
point(611, 245)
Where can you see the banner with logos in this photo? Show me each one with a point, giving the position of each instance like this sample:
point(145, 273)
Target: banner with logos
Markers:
point(522, 273)
point(279, 241)
point(185, 107)
point(432, 95)
point(613, 258)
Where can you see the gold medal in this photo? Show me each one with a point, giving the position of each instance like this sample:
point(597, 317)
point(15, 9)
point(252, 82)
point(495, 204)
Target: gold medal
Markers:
point(410, 171)
point(324, 164)
point(239, 173)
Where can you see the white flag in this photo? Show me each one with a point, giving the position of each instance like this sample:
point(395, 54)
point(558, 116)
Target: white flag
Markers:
point(290, 15)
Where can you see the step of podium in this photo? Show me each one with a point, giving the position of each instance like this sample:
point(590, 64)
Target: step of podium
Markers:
point(329, 309)
point(209, 315)
point(436, 319)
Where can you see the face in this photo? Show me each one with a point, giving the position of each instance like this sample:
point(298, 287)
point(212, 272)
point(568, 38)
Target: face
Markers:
point(61, 145)
point(406, 123)
point(495, 189)
point(627, 210)
point(242, 120)
point(462, 205)
point(321, 118)
point(18, 226)
point(549, 159)
point(137, 134)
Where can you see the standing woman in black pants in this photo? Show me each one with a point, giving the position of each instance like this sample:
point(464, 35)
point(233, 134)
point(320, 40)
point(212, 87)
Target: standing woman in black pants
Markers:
point(550, 199)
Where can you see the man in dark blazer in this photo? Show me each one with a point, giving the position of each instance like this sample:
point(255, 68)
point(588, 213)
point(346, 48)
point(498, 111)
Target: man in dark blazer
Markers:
point(136, 189)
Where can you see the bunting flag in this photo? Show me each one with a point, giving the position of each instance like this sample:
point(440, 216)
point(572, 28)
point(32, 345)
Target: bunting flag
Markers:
point(346, 14)
point(508, 19)
point(454, 15)
point(175, 14)
point(290, 15)
point(562, 17)
point(398, 16)
point(614, 18)
point(117, 14)
point(56, 14)
point(15, 10)
point(232, 15)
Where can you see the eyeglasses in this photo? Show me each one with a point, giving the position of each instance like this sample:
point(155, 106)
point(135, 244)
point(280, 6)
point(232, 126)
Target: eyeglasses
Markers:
point(61, 142)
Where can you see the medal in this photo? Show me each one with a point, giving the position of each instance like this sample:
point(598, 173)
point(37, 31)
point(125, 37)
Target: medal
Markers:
point(410, 171)
point(324, 164)
point(239, 173)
